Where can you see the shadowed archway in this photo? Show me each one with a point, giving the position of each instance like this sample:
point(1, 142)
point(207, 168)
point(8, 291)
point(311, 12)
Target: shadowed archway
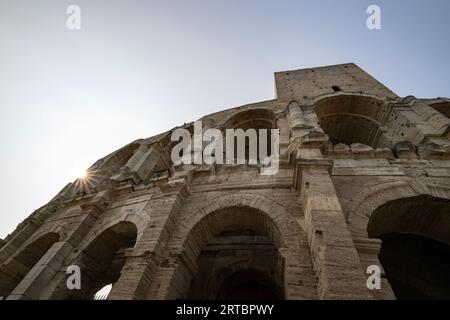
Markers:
point(102, 260)
point(245, 232)
point(415, 250)
point(14, 270)
point(353, 119)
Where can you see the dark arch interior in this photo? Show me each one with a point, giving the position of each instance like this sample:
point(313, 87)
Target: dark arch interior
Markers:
point(349, 128)
point(248, 285)
point(252, 118)
point(423, 215)
point(237, 256)
point(416, 267)
point(25, 261)
point(352, 119)
point(238, 264)
point(415, 251)
point(103, 260)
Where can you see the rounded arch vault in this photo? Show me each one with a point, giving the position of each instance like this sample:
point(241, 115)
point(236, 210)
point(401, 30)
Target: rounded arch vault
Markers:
point(349, 118)
point(413, 223)
point(264, 240)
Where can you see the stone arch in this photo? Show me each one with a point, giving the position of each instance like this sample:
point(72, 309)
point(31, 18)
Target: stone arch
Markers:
point(422, 215)
point(251, 118)
point(101, 259)
point(367, 202)
point(412, 221)
point(415, 245)
point(264, 216)
point(139, 219)
point(346, 116)
point(237, 285)
point(55, 230)
point(18, 266)
point(228, 271)
point(292, 234)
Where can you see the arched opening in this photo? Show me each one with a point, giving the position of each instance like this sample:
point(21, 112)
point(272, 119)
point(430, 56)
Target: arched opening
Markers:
point(352, 119)
point(102, 261)
point(236, 256)
point(442, 107)
point(415, 250)
point(15, 270)
point(252, 119)
point(248, 284)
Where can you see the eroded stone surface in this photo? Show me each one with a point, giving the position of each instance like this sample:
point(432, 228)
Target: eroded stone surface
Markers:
point(358, 165)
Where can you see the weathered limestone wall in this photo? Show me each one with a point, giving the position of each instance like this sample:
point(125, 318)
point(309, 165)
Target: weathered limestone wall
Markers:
point(348, 147)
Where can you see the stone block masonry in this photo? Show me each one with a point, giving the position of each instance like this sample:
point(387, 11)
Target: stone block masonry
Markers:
point(363, 180)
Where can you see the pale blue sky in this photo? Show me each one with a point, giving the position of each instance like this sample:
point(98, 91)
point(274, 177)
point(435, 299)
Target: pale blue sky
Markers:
point(137, 68)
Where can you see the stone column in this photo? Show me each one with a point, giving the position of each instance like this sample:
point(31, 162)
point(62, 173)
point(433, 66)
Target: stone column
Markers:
point(19, 237)
point(368, 250)
point(143, 260)
point(50, 269)
point(135, 277)
point(297, 121)
point(299, 282)
point(42, 272)
point(304, 126)
point(173, 279)
point(335, 259)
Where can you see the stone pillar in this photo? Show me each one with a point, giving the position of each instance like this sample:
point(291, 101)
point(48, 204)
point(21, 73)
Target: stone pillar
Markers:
point(30, 287)
point(297, 121)
point(368, 250)
point(42, 272)
point(146, 256)
point(299, 282)
point(173, 278)
point(335, 259)
point(304, 127)
point(50, 268)
point(7, 265)
point(135, 277)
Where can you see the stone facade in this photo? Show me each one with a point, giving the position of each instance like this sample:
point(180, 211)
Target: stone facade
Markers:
point(364, 179)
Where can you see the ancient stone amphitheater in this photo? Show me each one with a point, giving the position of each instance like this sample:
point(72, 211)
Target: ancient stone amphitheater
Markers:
point(364, 180)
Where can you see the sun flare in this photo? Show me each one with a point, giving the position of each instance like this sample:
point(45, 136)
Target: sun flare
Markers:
point(83, 174)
